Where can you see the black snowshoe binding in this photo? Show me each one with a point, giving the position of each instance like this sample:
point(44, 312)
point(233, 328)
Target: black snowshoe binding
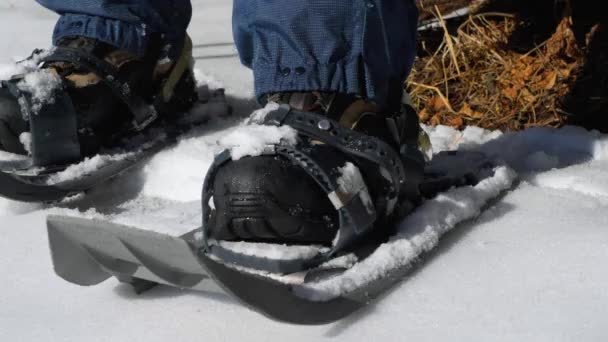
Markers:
point(352, 174)
point(87, 97)
point(99, 94)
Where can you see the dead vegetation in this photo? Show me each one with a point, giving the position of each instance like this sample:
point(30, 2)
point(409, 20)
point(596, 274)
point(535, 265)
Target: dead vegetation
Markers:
point(471, 76)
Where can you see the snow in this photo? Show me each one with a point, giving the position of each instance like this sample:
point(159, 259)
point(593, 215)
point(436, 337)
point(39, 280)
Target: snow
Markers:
point(273, 251)
point(252, 140)
point(529, 150)
point(26, 140)
point(204, 79)
point(258, 116)
point(41, 84)
point(6, 156)
point(530, 268)
point(417, 234)
point(24, 65)
point(87, 166)
point(350, 180)
point(351, 184)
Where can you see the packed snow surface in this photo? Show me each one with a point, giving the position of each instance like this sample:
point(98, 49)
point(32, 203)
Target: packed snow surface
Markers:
point(530, 268)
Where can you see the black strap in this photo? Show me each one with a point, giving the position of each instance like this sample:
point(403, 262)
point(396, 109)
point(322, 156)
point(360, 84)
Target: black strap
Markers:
point(143, 112)
point(351, 142)
point(53, 126)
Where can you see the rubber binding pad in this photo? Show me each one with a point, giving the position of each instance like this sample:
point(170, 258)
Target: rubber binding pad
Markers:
point(55, 132)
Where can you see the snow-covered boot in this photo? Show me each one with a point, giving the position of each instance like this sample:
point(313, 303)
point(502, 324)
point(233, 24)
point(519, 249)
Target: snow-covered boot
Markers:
point(351, 172)
point(84, 95)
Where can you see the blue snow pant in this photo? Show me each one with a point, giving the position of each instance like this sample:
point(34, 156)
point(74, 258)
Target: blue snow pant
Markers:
point(364, 47)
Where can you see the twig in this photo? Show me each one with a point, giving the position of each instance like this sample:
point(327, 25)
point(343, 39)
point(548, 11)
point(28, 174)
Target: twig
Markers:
point(448, 39)
point(439, 93)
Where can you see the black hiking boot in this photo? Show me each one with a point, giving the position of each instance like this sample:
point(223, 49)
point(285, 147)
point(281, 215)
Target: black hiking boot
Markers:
point(354, 170)
point(98, 94)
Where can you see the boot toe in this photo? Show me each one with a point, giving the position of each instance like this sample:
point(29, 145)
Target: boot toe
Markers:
point(268, 199)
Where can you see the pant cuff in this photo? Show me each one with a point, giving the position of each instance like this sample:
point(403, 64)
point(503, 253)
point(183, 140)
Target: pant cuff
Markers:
point(341, 77)
point(123, 35)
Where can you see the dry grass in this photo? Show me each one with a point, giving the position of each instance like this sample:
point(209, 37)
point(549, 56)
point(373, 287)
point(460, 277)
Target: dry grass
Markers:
point(473, 78)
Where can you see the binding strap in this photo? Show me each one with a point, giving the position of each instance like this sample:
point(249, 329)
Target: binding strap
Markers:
point(353, 143)
point(53, 126)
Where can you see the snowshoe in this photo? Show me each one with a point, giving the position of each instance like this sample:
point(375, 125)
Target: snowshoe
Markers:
point(88, 252)
point(88, 100)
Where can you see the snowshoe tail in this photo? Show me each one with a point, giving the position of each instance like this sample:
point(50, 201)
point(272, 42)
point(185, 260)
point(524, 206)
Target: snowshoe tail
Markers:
point(88, 252)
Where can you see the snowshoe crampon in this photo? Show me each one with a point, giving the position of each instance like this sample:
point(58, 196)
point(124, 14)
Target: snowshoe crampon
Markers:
point(296, 284)
point(65, 159)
